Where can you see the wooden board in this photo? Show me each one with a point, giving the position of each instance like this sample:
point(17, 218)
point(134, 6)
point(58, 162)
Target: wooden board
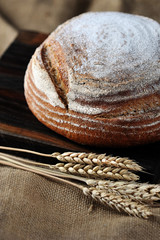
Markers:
point(18, 126)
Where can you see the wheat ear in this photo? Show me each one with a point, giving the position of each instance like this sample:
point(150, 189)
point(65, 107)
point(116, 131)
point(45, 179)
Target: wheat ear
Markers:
point(110, 200)
point(105, 197)
point(86, 158)
point(97, 159)
point(119, 202)
point(142, 192)
point(80, 170)
point(96, 171)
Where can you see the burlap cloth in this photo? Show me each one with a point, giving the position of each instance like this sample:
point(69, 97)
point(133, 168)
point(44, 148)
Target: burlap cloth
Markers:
point(33, 207)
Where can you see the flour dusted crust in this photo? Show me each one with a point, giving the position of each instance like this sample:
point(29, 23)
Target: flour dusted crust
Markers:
point(96, 80)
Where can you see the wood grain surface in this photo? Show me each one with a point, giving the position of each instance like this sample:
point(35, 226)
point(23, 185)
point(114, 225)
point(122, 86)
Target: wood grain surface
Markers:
point(19, 128)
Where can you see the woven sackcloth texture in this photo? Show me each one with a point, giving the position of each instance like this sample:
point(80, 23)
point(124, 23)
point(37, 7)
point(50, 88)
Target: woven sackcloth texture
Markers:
point(34, 207)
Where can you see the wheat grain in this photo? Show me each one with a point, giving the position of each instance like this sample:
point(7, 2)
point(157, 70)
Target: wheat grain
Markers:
point(142, 192)
point(100, 172)
point(97, 159)
point(118, 202)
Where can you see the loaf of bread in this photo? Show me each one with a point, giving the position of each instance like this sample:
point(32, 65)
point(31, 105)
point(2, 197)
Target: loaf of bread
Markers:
point(96, 80)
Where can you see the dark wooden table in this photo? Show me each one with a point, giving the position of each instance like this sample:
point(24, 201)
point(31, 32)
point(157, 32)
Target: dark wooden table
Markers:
point(19, 128)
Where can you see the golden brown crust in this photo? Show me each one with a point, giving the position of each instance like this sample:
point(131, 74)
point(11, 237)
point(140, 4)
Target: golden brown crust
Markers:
point(92, 130)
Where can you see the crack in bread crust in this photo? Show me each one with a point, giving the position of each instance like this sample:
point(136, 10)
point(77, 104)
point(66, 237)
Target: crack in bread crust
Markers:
point(54, 74)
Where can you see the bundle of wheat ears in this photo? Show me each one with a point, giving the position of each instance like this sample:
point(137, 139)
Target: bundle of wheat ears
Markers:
point(107, 179)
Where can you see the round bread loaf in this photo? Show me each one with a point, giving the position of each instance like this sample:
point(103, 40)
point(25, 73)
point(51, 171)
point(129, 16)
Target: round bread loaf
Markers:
point(96, 80)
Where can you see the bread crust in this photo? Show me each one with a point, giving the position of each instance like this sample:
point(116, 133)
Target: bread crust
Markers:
point(74, 87)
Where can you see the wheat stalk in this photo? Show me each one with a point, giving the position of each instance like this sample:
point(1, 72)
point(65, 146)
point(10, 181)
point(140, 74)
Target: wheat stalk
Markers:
point(121, 195)
point(88, 171)
point(141, 192)
point(119, 202)
point(108, 199)
point(138, 191)
point(88, 168)
point(86, 158)
point(96, 171)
